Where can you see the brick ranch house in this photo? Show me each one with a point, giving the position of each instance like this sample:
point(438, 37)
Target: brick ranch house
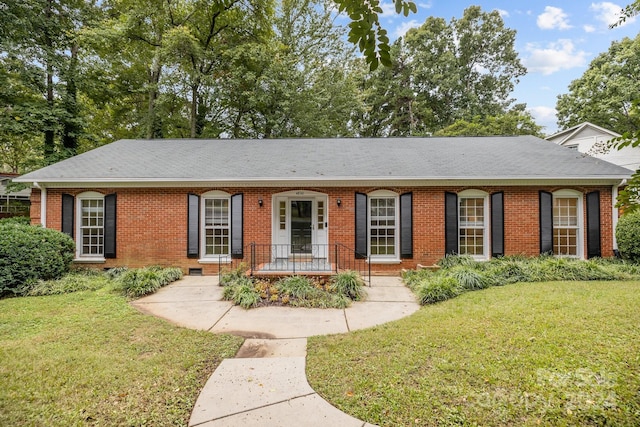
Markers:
point(393, 202)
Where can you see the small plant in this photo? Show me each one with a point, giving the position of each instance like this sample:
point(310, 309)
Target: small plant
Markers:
point(450, 261)
point(468, 279)
point(349, 284)
point(89, 280)
point(143, 281)
point(233, 276)
point(440, 288)
point(295, 286)
point(115, 272)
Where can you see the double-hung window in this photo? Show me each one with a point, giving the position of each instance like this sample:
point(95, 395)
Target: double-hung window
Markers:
point(90, 226)
point(473, 224)
point(567, 223)
point(216, 225)
point(383, 225)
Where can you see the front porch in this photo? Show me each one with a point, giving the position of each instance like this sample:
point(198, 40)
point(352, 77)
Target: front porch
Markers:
point(310, 259)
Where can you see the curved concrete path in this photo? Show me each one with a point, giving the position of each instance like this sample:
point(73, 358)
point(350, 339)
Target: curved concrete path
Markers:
point(266, 383)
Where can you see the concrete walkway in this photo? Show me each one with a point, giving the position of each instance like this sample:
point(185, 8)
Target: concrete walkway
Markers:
point(266, 383)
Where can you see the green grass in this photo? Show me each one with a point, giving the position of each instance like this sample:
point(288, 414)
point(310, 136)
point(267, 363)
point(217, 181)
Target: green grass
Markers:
point(550, 353)
point(88, 358)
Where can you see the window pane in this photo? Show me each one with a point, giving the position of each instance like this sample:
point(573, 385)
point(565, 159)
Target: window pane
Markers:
point(565, 226)
point(382, 223)
point(91, 226)
point(471, 226)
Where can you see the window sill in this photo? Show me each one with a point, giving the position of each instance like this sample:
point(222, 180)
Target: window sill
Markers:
point(224, 260)
point(384, 261)
point(90, 260)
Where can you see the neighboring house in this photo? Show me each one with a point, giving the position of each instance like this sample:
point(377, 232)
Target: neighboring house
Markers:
point(394, 202)
point(13, 203)
point(596, 141)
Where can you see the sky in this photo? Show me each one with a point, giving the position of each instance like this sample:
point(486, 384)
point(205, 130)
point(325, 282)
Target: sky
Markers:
point(555, 40)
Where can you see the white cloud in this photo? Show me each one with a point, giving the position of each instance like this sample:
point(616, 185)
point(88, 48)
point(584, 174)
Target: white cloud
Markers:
point(542, 113)
point(405, 26)
point(609, 13)
point(589, 28)
point(388, 9)
point(503, 13)
point(560, 55)
point(427, 5)
point(553, 18)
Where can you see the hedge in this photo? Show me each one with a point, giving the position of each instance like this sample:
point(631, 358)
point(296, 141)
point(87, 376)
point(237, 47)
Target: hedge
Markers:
point(31, 253)
point(628, 236)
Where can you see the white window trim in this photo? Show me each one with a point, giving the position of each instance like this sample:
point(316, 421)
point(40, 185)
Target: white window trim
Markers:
point(475, 194)
point(213, 258)
point(384, 259)
point(80, 258)
point(566, 193)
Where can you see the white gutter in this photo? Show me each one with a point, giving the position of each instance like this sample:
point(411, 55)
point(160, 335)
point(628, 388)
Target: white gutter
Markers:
point(43, 204)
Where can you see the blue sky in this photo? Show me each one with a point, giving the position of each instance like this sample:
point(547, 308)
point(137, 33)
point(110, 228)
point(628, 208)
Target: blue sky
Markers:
point(556, 41)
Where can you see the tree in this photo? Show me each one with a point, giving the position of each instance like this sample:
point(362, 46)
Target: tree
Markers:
point(514, 122)
point(445, 72)
point(604, 94)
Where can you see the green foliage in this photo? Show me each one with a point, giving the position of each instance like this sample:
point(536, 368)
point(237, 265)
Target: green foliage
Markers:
point(349, 284)
point(242, 292)
point(29, 253)
point(460, 274)
point(603, 94)
point(296, 286)
point(440, 288)
point(628, 236)
point(19, 220)
point(89, 280)
point(143, 281)
point(233, 276)
point(510, 123)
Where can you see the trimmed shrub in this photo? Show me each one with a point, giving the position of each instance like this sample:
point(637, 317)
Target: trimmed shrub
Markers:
point(628, 236)
point(349, 284)
point(20, 220)
point(31, 253)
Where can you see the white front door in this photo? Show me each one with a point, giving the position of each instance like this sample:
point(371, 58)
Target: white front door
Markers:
point(300, 224)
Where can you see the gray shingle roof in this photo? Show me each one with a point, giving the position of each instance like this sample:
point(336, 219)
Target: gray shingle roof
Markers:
point(358, 159)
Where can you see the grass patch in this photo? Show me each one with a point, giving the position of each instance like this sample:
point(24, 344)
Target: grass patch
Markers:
point(551, 353)
point(89, 358)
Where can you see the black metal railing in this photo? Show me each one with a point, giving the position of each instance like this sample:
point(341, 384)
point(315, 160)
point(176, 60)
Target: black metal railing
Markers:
point(306, 259)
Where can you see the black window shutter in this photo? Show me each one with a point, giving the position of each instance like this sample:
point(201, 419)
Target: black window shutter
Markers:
point(193, 226)
point(497, 224)
point(236, 226)
point(593, 224)
point(361, 225)
point(546, 222)
point(451, 223)
point(110, 226)
point(68, 214)
point(406, 225)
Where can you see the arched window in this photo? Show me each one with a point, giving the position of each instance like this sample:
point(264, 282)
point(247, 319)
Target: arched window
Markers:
point(90, 225)
point(383, 225)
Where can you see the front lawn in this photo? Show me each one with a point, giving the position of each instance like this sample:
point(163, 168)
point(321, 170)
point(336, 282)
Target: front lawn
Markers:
point(550, 353)
point(88, 358)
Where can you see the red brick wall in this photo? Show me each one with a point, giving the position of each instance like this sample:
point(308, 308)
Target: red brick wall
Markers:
point(152, 223)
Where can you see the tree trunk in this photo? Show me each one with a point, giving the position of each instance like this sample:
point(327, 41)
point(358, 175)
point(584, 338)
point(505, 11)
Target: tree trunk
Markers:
point(71, 129)
point(154, 128)
point(194, 109)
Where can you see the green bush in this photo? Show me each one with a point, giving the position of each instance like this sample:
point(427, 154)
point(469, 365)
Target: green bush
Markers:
point(20, 220)
point(439, 288)
point(469, 280)
point(143, 281)
point(30, 253)
point(628, 236)
point(296, 287)
point(349, 284)
point(242, 292)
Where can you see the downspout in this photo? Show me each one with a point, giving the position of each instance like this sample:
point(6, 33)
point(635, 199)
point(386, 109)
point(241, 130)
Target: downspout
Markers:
point(43, 204)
